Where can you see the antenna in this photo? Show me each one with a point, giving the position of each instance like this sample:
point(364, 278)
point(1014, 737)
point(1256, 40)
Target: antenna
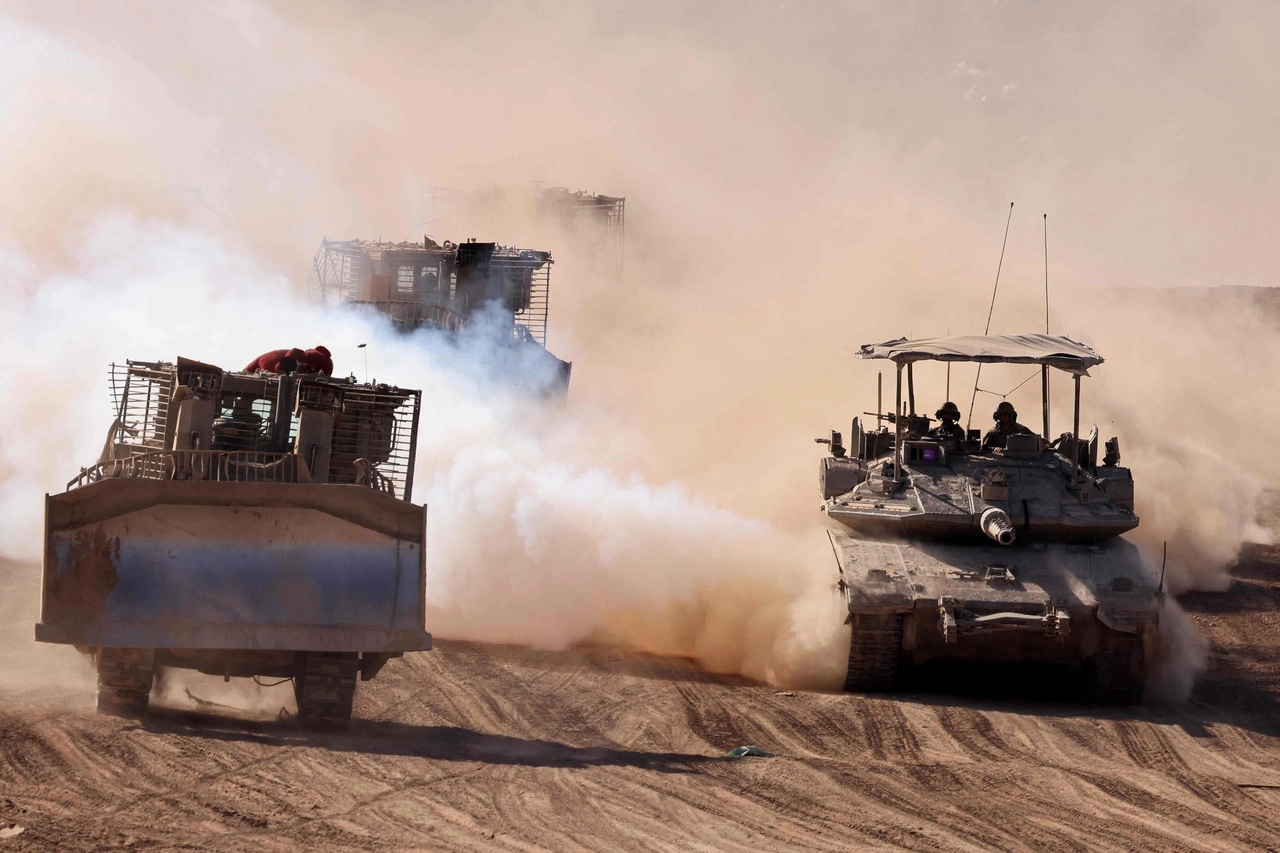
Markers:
point(990, 311)
point(1046, 273)
point(835, 553)
point(420, 224)
point(366, 361)
point(1044, 369)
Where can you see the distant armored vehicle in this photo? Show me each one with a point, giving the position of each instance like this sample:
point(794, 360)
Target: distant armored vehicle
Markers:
point(445, 286)
point(595, 225)
point(999, 549)
point(241, 524)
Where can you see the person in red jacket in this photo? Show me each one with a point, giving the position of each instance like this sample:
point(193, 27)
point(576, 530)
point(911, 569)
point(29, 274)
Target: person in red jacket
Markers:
point(269, 362)
point(317, 360)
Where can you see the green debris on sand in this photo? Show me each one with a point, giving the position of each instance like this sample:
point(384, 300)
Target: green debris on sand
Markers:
point(755, 751)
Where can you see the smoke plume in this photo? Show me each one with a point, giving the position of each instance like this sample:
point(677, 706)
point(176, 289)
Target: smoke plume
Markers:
point(533, 539)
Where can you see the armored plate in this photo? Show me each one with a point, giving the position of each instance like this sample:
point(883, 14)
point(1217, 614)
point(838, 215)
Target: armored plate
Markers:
point(1106, 579)
point(224, 565)
point(945, 499)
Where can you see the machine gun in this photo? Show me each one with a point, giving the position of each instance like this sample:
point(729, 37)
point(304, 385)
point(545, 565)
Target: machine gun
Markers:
point(915, 424)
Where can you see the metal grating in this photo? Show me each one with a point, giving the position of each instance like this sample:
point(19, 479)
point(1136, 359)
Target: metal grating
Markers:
point(378, 423)
point(336, 274)
point(537, 301)
point(603, 221)
point(140, 394)
point(211, 465)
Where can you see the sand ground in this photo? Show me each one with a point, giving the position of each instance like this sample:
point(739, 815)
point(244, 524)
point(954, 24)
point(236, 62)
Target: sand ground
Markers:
point(475, 747)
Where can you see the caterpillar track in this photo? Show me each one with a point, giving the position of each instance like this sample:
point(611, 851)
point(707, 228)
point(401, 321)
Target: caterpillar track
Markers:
point(875, 651)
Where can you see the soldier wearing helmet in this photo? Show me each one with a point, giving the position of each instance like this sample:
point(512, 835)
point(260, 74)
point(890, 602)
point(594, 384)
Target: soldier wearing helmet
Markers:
point(1006, 418)
point(948, 431)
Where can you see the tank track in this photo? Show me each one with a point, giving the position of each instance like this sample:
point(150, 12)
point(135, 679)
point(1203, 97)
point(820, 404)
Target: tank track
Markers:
point(1119, 669)
point(325, 688)
point(124, 680)
point(875, 650)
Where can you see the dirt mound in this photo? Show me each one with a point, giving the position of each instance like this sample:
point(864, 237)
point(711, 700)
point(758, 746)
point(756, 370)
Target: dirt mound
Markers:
point(476, 747)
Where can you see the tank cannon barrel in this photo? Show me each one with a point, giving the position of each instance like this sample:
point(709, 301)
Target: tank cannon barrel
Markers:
point(996, 524)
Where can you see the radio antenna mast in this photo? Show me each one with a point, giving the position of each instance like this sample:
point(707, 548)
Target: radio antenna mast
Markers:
point(990, 311)
point(1044, 369)
point(1046, 273)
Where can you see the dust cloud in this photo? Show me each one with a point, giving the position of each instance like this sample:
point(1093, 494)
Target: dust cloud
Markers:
point(1193, 427)
point(44, 674)
point(799, 181)
point(1182, 655)
point(531, 539)
point(246, 698)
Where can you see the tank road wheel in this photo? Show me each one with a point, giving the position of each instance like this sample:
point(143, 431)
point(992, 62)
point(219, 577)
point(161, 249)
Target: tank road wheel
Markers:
point(325, 687)
point(875, 648)
point(1119, 669)
point(124, 680)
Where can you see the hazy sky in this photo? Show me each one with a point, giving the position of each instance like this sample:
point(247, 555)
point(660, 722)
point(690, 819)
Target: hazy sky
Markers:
point(1145, 130)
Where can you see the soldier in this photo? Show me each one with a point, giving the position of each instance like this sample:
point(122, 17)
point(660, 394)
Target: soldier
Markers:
point(948, 431)
point(1006, 418)
point(315, 360)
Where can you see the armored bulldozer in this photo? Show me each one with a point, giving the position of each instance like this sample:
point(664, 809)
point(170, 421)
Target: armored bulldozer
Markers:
point(1004, 548)
point(447, 286)
point(241, 524)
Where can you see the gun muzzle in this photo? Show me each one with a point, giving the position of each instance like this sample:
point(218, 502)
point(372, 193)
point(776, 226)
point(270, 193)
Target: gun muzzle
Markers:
point(996, 524)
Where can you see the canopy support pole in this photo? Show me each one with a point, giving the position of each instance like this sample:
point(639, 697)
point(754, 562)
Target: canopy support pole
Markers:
point(879, 400)
point(911, 391)
point(897, 432)
point(1075, 432)
point(1044, 397)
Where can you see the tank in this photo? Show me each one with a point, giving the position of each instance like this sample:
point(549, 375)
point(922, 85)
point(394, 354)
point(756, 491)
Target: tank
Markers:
point(246, 525)
point(1003, 548)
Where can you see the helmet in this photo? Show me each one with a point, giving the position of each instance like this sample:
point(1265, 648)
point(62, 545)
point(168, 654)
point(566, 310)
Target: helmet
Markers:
point(1005, 408)
point(948, 410)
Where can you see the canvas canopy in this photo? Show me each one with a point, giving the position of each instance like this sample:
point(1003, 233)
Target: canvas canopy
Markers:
point(1052, 350)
